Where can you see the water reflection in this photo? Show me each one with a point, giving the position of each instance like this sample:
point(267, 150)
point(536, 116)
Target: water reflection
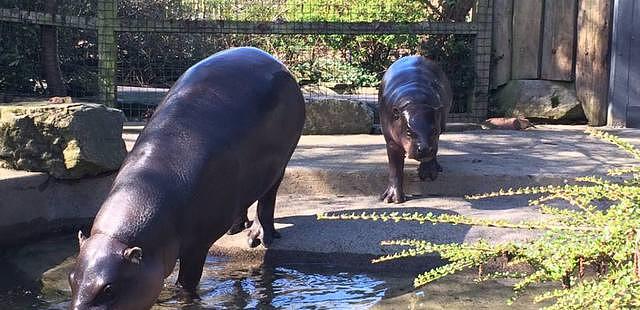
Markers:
point(34, 277)
point(299, 287)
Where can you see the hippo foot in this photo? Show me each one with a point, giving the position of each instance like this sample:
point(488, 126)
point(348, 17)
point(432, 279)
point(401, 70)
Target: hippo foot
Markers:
point(257, 235)
point(239, 226)
point(429, 169)
point(393, 194)
point(186, 296)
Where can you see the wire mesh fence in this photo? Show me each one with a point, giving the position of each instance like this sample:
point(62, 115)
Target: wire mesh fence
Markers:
point(129, 52)
point(29, 34)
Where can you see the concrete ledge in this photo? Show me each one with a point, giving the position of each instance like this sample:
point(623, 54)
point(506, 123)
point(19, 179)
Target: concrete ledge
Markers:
point(473, 161)
point(35, 203)
point(351, 165)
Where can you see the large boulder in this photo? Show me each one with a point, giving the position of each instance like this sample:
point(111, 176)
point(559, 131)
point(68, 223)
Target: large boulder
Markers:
point(330, 115)
point(69, 141)
point(540, 100)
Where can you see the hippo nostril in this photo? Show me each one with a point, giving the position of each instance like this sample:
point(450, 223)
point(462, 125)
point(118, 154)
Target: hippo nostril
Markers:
point(422, 150)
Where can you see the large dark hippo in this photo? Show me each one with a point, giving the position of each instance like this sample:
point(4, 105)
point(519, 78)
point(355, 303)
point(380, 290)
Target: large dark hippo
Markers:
point(218, 142)
point(415, 97)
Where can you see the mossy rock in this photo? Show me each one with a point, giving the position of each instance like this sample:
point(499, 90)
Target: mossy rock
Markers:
point(69, 141)
point(329, 116)
point(541, 100)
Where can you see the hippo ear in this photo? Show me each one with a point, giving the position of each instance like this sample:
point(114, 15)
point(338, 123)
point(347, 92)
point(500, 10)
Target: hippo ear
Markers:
point(133, 255)
point(395, 112)
point(81, 238)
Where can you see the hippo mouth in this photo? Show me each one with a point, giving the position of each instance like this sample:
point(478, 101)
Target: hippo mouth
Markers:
point(429, 169)
point(421, 158)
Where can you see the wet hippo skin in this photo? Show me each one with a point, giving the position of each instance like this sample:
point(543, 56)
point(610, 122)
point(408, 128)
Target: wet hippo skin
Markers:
point(415, 98)
point(219, 141)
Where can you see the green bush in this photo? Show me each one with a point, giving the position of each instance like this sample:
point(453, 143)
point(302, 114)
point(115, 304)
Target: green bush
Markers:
point(356, 11)
point(332, 70)
point(19, 61)
point(599, 231)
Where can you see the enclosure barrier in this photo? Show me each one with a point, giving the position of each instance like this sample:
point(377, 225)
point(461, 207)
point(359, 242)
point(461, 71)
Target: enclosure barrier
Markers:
point(109, 23)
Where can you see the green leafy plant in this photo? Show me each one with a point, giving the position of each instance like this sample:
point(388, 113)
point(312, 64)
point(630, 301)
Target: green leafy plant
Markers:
point(333, 70)
point(590, 243)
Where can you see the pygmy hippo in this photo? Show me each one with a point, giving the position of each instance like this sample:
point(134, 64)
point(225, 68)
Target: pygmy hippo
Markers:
point(415, 98)
point(218, 142)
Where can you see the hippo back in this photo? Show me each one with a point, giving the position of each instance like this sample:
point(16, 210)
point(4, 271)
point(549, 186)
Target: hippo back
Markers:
point(415, 76)
point(220, 139)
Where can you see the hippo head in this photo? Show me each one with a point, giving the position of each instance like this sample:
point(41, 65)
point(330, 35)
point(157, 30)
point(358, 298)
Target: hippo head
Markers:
point(108, 274)
point(418, 129)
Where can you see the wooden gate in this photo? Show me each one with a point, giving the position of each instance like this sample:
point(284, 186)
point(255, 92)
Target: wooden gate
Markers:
point(624, 89)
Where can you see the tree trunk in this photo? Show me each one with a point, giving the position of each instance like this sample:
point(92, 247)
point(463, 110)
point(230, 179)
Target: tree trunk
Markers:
point(49, 55)
point(457, 10)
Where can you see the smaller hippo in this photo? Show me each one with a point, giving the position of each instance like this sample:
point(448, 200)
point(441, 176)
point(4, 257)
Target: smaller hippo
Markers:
point(415, 98)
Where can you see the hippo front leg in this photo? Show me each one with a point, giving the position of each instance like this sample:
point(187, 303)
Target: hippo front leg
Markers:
point(192, 261)
point(263, 230)
point(394, 191)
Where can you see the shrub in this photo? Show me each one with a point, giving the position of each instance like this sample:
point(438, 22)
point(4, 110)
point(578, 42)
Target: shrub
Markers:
point(599, 230)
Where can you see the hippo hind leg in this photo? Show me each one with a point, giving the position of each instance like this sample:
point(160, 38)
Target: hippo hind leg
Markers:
point(191, 264)
point(241, 223)
point(263, 230)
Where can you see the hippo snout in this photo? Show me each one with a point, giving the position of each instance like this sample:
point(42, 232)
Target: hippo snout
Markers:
point(422, 152)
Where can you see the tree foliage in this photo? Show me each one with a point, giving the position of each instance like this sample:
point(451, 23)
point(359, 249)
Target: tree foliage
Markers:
point(158, 59)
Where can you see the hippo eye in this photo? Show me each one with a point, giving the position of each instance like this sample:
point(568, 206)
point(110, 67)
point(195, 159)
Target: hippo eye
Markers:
point(105, 296)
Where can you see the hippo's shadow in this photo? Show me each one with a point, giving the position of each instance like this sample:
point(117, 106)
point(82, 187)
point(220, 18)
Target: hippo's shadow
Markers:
point(502, 203)
point(361, 236)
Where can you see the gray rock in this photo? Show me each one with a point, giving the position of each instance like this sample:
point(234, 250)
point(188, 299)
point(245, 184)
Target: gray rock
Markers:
point(540, 99)
point(328, 116)
point(55, 280)
point(69, 141)
point(315, 89)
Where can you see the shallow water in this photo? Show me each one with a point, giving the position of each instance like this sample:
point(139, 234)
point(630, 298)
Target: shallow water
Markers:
point(34, 277)
point(226, 283)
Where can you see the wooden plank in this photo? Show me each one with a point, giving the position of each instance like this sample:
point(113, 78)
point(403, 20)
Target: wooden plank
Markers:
point(527, 26)
point(501, 51)
point(634, 54)
point(592, 70)
point(633, 91)
point(37, 18)
point(633, 117)
point(558, 41)
point(620, 57)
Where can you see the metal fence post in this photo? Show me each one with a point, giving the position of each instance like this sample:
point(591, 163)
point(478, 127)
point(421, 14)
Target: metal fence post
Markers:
point(484, 20)
point(107, 51)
